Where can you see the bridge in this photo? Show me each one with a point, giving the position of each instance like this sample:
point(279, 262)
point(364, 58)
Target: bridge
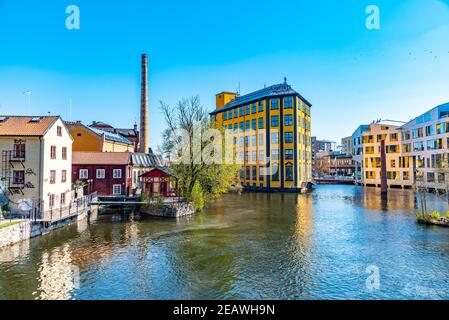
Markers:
point(334, 180)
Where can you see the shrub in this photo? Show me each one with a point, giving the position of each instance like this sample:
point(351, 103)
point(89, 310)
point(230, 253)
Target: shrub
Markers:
point(145, 197)
point(422, 218)
point(435, 215)
point(197, 197)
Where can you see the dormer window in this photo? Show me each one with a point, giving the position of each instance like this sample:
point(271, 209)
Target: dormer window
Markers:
point(3, 119)
point(35, 120)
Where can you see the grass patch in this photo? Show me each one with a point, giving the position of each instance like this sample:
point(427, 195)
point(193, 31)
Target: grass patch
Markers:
point(9, 224)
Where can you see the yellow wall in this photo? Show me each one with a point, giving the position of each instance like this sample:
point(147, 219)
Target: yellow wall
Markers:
point(85, 139)
point(224, 98)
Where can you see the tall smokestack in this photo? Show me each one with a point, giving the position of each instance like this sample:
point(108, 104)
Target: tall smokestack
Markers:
point(144, 145)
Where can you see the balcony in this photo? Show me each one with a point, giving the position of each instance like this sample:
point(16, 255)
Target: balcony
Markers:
point(18, 155)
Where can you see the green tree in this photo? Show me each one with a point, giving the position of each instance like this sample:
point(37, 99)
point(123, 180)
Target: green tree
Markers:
point(197, 196)
point(189, 118)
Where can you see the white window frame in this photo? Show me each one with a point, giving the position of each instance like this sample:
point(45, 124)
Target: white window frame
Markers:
point(119, 186)
point(82, 175)
point(114, 173)
point(100, 176)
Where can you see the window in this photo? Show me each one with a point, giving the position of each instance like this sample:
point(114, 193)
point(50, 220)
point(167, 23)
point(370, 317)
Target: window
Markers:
point(229, 115)
point(53, 176)
point(225, 116)
point(275, 172)
point(19, 150)
point(84, 174)
point(59, 131)
point(117, 174)
point(261, 173)
point(289, 137)
point(288, 103)
point(254, 108)
point(254, 173)
point(242, 111)
point(63, 199)
point(101, 173)
point(248, 176)
point(254, 124)
point(117, 189)
point(247, 110)
point(64, 176)
point(18, 177)
point(275, 121)
point(247, 125)
point(274, 104)
point(289, 154)
point(236, 113)
point(53, 152)
point(242, 127)
point(51, 200)
point(275, 154)
point(64, 153)
point(260, 123)
point(430, 177)
point(288, 120)
point(260, 106)
point(236, 128)
point(260, 139)
point(275, 138)
point(289, 173)
point(254, 140)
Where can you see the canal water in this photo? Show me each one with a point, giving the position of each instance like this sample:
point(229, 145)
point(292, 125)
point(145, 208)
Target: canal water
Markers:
point(338, 242)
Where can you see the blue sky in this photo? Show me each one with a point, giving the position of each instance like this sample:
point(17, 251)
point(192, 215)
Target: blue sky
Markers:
point(352, 75)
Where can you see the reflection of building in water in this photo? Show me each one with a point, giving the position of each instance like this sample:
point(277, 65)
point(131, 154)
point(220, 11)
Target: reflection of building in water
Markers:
point(15, 252)
point(58, 277)
point(397, 200)
point(304, 220)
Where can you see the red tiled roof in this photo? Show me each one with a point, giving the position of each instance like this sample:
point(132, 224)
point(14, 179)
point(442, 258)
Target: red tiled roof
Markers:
point(107, 158)
point(24, 126)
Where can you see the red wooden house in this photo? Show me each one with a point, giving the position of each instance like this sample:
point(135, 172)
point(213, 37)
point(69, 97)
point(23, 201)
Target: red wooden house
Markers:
point(159, 182)
point(109, 174)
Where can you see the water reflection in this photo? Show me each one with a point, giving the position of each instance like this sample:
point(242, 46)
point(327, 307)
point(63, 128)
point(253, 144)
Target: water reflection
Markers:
point(255, 246)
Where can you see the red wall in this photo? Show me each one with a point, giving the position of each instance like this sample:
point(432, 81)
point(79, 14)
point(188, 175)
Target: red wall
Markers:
point(104, 187)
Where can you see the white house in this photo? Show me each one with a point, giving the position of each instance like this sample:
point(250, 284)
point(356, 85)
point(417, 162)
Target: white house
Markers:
point(36, 163)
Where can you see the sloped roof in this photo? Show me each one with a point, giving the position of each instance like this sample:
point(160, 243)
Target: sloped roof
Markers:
point(25, 126)
point(106, 158)
point(282, 89)
point(144, 160)
point(111, 136)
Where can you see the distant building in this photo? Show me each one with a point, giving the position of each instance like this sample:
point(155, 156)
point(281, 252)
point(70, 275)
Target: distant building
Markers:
point(334, 164)
point(108, 174)
point(346, 145)
point(36, 164)
point(357, 152)
point(425, 142)
point(319, 146)
point(92, 139)
point(129, 134)
point(143, 163)
point(271, 132)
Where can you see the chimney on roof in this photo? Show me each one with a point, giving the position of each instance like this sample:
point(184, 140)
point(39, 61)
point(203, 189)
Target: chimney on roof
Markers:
point(144, 107)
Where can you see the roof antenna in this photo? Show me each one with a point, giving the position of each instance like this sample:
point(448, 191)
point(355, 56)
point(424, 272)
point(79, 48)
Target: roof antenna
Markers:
point(285, 80)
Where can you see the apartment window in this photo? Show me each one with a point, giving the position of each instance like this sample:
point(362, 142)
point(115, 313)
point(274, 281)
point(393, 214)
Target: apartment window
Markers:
point(64, 176)
point(288, 120)
point(236, 128)
point(242, 111)
point(248, 176)
point(236, 113)
point(260, 106)
point(247, 108)
point(117, 174)
point(63, 199)
point(247, 125)
point(275, 138)
point(254, 173)
point(84, 174)
point(260, 123)
point(418, 146)
point(289, 137)
point(274, 104)
point(275, 172)
point(117, 189)
point(261, 139)
point(254, 140)
point(288, 103)
point(254, 108)
point(430, 131)
point(254, 124)
point(289, 173)
point(262, 156)
point(393, 163)
point(261, 173)
point(289, 154)
point(275, 121)
point(241, 142)
point(275, 154)
point(18, 177)
point(64, 153)
point(441, 177)
point(53, 152)
point(51, 200)
point(254, 157)
point(53, 176)
point(59, 131)
point(430, 177)
point(19, 150)
point(229, 115)
point(247, 141)
point(242, 127)
point(101, 173)
point(225, 116)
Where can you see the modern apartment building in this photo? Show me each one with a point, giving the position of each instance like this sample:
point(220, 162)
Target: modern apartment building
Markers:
point(272, 136)
point(346, 145)
point(357, 152)
point(425, 140)
point(400, 173)
point(36, 164)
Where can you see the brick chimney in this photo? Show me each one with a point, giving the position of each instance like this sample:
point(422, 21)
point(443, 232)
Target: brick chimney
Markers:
point(143, 140)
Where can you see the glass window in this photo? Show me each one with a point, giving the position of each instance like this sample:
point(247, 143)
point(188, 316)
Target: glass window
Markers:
point(117, 189)
point(274, 104)
point(117, 174)
point(275, 138)
point(254, 108)
point(225, 116)
point(247, 110)
point(260, 123)
point(289, 137)
point(289, 154)
point(275, 154)
point(247, 125)
point(288, 120)
point(242, 127)
point(236, 113)
point(275, 172)
point(84, 174)
point(275, 121)
point(101, 173)
point(260, 106)
point(254, 124)
point(288, 103)
point(242, 111)
point(289, 173)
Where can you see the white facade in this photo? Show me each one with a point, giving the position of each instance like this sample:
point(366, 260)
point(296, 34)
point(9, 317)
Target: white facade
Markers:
point(39, 179)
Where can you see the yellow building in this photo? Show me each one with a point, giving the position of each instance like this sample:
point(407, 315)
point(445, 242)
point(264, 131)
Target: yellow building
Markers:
point(272, 136)
point(96, 140)
point(399, 167)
